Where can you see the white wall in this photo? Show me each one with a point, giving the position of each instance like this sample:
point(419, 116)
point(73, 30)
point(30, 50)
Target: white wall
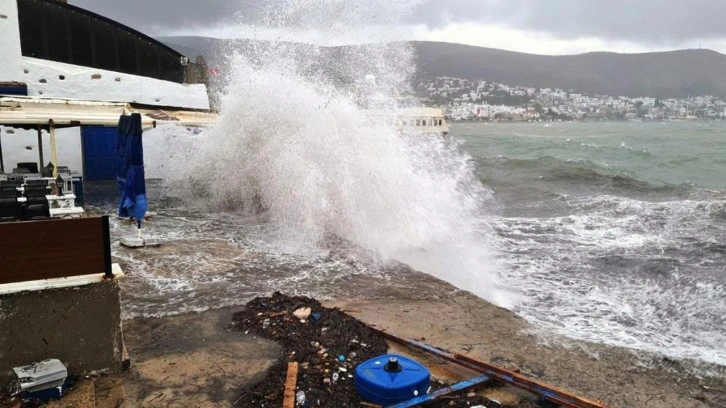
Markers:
point(96, 84)
point(22, 146)
point(9, 40)
point(43, 77)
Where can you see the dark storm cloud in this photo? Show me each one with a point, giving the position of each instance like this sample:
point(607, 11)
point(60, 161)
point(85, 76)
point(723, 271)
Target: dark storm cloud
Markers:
point(646, 21)
point(639, 21)
point(159, 16)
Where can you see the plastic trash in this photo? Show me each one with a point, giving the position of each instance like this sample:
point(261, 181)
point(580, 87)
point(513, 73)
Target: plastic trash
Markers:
point(300, 397)
point(40, 376)
point(341, 358)
point(302, 313)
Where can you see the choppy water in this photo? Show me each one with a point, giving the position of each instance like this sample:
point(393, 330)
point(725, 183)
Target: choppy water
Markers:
point(614, 232)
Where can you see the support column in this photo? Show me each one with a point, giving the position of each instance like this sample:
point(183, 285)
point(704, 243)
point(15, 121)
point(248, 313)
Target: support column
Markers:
point(2, 163)
point(40, 149)
point(53, 150)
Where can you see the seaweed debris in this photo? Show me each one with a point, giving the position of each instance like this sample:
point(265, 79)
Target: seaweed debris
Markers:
point(328, 344)
point(317, 343)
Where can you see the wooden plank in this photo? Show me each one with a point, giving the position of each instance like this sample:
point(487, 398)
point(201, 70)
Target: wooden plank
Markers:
point(290, 384)
point(37, 250)
point(58, 283)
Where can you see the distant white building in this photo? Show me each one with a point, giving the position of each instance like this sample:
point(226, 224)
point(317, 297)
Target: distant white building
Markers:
point(648, 102)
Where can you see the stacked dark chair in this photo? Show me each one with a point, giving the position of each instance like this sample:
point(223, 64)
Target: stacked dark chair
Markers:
point(36, 206)
point(9, 191)
point(10, 208)
point(24, 200)
point(29, 167)
point(11, 183)
point(36, 183)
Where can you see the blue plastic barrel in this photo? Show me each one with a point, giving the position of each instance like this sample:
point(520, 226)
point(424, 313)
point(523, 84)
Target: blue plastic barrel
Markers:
point(391, 379)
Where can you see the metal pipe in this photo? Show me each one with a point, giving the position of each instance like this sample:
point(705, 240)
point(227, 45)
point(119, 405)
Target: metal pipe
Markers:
point(2, 163)
point(461, 386)
point(544, 391)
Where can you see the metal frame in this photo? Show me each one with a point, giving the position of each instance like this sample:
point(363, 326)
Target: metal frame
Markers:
point(461, 386)
point(543, 391)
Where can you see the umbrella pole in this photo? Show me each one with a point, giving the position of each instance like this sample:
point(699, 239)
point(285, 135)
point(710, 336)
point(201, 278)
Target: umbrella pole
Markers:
point(53, 150)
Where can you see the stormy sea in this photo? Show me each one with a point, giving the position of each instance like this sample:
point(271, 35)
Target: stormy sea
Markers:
point(613, 233)
point(607, 232)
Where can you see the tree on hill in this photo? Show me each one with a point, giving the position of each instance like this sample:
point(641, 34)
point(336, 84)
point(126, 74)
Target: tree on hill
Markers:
point(539, 109)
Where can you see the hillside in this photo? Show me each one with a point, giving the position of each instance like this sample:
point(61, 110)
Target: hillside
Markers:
point(675, 74)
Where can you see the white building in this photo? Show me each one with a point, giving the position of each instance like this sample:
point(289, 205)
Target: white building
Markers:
point(51, 49)
point(59, 50)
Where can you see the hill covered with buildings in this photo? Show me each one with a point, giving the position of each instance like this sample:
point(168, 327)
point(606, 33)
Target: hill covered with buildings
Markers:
point(475, 83)
point(462, 99)
point(662, 75)
point(674, 74)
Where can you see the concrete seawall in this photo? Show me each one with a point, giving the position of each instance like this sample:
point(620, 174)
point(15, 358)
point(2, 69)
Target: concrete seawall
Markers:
point(80, 326)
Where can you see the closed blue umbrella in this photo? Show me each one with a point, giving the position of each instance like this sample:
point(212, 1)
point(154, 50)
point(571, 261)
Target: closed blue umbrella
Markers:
point(130, 175)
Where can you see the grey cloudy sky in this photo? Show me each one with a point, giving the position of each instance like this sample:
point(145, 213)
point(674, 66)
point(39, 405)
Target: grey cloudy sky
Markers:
point(550, 27)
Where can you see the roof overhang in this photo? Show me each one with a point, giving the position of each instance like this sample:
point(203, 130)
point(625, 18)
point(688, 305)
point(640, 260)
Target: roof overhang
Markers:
point(32, 112)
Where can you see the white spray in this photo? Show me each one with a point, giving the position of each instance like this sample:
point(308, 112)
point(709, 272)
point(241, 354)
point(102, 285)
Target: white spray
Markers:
point(293, 143)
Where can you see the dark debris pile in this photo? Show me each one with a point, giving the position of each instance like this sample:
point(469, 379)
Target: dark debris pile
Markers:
point(316, 345)
point(328, 345)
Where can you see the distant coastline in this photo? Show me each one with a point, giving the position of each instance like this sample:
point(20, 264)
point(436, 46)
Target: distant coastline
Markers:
point(475, 82)
point(544, 122)
point(462, 99)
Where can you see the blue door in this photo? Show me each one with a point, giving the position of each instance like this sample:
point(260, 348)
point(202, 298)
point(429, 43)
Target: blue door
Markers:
point(99, 152)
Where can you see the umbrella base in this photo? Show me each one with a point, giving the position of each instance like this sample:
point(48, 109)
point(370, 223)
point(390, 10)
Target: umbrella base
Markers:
point(140, 242)
point(152, 242)
point(148, 215)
